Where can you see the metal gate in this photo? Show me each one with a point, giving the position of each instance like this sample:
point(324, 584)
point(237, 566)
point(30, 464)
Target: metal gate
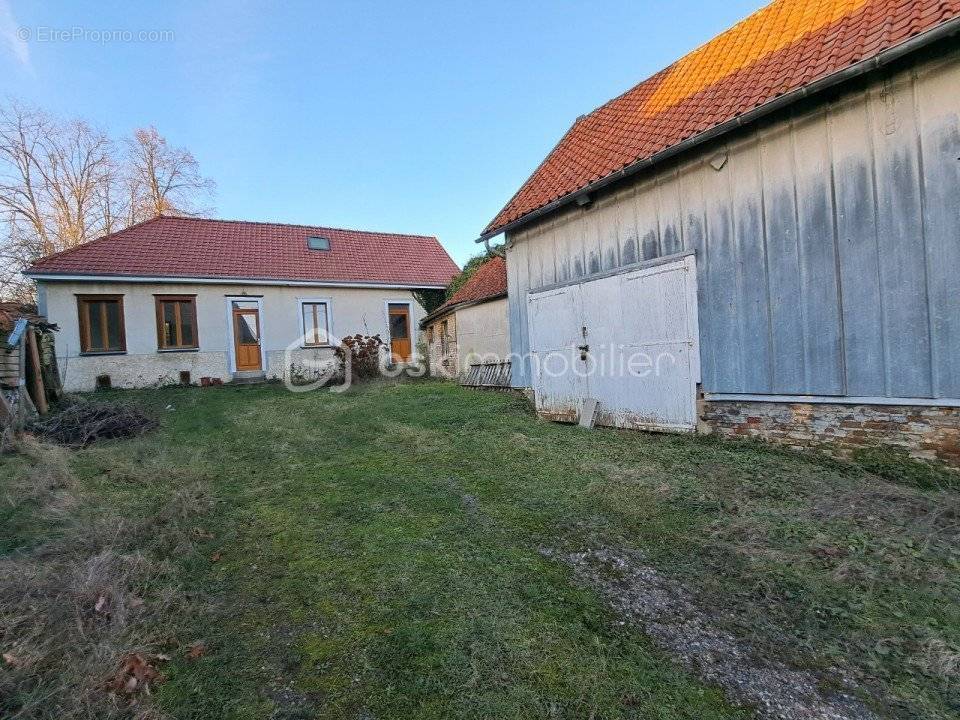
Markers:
point(628, 341)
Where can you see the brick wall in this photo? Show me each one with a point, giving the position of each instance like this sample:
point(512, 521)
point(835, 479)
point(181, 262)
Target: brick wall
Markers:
point(927, 433)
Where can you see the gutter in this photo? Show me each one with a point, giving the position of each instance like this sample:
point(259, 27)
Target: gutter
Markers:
point(944, 30)
point(56, 277)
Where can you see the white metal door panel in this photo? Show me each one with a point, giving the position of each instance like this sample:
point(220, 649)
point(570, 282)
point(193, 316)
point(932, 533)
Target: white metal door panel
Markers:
point(555, 333)
point(643, 360)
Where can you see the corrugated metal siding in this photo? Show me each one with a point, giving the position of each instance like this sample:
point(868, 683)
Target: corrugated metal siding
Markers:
point(828, 245)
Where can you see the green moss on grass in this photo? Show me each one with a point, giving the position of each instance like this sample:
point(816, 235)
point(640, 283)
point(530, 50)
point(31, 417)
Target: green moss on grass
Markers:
point(896, 465)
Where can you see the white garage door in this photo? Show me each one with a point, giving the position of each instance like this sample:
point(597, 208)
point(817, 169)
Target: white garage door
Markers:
point(628, 341)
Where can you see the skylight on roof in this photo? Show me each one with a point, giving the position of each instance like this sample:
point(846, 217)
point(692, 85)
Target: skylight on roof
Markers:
point(318, 243)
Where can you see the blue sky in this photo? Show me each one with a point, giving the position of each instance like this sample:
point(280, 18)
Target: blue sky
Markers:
point(407, 117)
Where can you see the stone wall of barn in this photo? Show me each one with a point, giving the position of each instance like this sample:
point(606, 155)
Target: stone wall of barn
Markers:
point(925, 432)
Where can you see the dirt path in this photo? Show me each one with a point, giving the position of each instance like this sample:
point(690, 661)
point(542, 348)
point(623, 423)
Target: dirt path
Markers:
point(669, 616)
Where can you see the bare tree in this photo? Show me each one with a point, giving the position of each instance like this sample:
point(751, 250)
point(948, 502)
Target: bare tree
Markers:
point(65, 183)
point(53, 177)
point(77, 170)
point(22, 131)
point(164, 180)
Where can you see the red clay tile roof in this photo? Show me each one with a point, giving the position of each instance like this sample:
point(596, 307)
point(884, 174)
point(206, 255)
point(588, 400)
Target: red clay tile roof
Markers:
point(223, 249)
point(488, 282)
point(783, 47)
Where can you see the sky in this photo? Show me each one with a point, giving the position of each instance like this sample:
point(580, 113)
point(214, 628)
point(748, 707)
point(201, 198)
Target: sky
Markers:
point(417, 117)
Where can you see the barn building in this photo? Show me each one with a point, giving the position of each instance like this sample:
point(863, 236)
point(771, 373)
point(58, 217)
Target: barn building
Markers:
point(761, 240)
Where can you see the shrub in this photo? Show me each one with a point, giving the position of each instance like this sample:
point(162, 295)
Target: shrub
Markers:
point(363, 353)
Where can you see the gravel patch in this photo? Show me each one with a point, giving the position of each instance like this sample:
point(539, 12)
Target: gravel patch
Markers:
point(668, 614)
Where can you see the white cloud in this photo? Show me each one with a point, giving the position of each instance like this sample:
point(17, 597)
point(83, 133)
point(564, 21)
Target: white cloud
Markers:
point(12, 36)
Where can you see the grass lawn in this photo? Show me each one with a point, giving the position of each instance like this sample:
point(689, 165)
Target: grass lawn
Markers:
point(379, 554)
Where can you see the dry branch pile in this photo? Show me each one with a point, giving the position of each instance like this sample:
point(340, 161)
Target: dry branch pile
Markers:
point(83, 423)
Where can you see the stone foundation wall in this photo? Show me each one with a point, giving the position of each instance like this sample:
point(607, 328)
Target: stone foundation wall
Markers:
point(926, 433)
point(139, 371)
point(307, 364)
point(156, 369)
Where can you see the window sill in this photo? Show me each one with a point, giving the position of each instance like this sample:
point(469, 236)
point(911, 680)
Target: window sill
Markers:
point(100, 353)
point(316, 347)
point(178, 350)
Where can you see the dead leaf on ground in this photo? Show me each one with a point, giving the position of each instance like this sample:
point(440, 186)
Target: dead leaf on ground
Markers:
point(216, 556)
point(134, 676)
point(197, 650)
point(202, 534)
point(11, 659)
point(101, 605)
point(829, 552)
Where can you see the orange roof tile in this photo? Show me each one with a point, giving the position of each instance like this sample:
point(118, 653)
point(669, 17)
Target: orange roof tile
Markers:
point(780, 48)
point(488, 282)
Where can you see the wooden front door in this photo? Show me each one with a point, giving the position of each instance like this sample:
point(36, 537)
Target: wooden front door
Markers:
point(400, 344)
point(246, 336)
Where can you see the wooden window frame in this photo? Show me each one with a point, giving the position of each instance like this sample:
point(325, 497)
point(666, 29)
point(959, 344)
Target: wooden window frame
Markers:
point(302, 302)
point(83, 316)
point(159, 301)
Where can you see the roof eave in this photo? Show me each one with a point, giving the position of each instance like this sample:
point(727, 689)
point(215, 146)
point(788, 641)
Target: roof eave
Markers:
point(914, 44)
point(447, 309)
point(185, 279)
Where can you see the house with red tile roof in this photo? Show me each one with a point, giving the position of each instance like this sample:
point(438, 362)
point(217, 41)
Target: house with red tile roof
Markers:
point(468, 337)
point(178, 299)
point(759, 240)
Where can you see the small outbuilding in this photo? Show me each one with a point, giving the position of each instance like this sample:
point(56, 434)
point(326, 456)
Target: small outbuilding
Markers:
point(468, 337)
